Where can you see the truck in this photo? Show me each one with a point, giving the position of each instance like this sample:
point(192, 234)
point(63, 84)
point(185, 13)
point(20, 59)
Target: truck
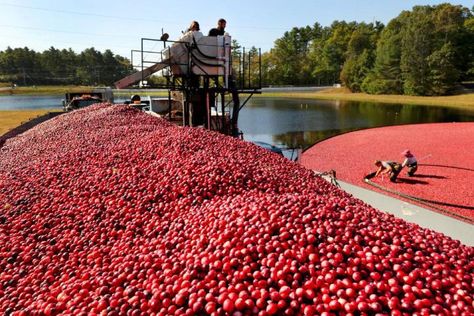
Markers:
point(77, 100)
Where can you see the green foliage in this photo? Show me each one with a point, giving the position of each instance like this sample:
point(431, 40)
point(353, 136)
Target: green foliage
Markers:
point(434, 49)
point(417, 45)
point(91, 67)
point(290, 62)
point(235, 49)
point(385, 77)
point(443, 73)
point(355, 70)
point(155, 81)
point(246, 65)
point(268, 68)
point(469, 49)
point(328, 53)
point(360, 56)
point(425, 51)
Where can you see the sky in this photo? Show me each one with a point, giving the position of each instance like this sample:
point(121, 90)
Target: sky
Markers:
point(119, 25)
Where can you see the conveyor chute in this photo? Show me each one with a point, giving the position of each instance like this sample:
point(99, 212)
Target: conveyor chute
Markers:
point(140, 75)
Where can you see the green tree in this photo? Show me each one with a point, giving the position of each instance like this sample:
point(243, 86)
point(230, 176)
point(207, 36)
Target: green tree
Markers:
point(385, 78)
point(70, 61)
point(451, 28)
point(469, 26)
point(89, 70)
point(253, 67)
point(269, 69)
point(290, 55)
point(7, 66)
point(443, 73)
point(417, 44)
point(435, 49)
point(113, 68)
point(320, 70)
point(23, 66)
point(328, 53)
point(423, 52)
point(53, 64)
point(360, 55)
point(237, 60)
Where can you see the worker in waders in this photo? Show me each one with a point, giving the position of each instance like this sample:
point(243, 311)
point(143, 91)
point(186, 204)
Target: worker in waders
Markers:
point(388, 167)
point(410, 162)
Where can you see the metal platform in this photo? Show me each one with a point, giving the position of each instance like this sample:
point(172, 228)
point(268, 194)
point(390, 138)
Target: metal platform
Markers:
point(205, 73)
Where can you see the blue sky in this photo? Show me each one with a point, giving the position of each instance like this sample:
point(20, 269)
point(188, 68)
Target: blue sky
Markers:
point(119, 25)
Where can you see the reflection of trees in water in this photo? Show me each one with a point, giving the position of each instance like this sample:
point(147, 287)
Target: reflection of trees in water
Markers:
point(345, 116)
point(305, 139)
point(390, 114)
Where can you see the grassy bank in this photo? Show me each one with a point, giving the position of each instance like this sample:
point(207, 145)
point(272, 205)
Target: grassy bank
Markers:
point(143, 93)
point(52, 90)
point(464, 101)
point(44, 90)
point(12, 119)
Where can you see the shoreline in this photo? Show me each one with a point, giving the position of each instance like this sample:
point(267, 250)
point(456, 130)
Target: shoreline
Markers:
point(461, 101)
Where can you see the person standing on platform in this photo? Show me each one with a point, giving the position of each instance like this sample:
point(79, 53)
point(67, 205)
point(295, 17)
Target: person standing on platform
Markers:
point(220, 29)
point(192, 33)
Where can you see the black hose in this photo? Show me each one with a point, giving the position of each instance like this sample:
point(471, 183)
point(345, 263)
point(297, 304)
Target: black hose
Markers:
point(423, 201)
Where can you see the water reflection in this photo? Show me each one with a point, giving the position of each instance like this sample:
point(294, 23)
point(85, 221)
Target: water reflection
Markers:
point(30, 102)
point(303, 122)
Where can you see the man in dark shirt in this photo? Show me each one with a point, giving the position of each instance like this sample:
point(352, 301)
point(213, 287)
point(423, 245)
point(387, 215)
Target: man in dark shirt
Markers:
point(220, 29)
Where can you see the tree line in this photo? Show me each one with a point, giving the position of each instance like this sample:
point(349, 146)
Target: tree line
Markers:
point(23, 66)
point(428, 50)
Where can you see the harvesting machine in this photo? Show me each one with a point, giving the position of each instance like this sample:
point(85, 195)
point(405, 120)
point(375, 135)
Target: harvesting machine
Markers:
point(205, 74)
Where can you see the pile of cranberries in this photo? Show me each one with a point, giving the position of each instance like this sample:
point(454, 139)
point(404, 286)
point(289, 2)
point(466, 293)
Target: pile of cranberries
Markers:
point(109, 211)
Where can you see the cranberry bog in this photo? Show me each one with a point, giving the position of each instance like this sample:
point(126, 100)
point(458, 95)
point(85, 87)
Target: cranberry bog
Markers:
point(446, 162)
point(109, 211)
